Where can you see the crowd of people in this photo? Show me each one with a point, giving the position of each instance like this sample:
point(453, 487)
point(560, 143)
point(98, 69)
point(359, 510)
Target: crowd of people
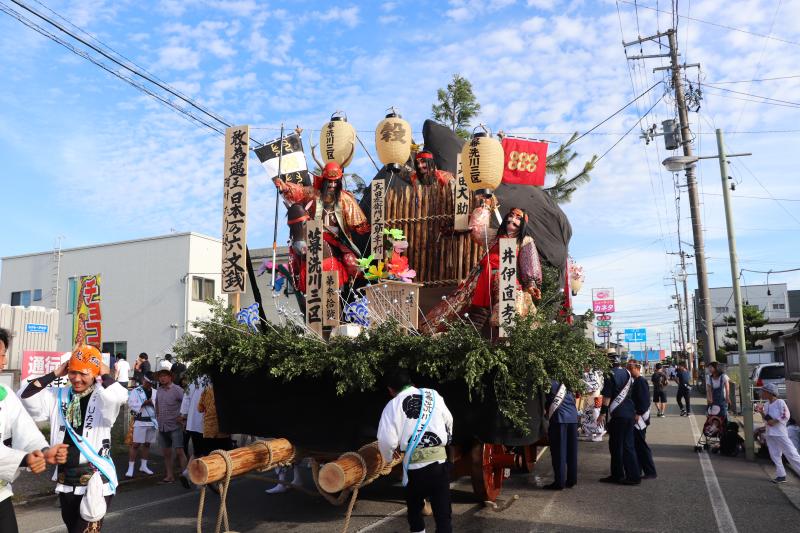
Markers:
point(181, 415)
point(81, 417)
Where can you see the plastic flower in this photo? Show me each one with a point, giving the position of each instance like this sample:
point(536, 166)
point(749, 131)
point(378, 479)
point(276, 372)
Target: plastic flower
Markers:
point(395, 234)
point(365, 262)
point(375, 271)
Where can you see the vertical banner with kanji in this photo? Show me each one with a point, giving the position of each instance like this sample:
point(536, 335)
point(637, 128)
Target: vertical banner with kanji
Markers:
point(314, 291)
point(378, 217)
point(87, 318)
point(330, 298)
point(507, 288)
point(234, 214)
point(461, 200)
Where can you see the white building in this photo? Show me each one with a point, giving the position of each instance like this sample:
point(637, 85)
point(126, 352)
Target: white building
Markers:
point(151, 289)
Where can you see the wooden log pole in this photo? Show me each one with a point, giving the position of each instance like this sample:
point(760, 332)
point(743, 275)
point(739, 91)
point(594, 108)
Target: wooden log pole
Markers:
point(261, 454)
point(347, 471)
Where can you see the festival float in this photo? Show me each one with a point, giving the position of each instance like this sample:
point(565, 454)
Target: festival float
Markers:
point(401, 278)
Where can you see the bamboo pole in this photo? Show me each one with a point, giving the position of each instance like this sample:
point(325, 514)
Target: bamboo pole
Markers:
point(261, 454)
point(347, 471)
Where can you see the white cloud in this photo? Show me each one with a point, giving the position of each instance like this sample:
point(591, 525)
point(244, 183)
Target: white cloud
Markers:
point(178, 58)
point(347, 16)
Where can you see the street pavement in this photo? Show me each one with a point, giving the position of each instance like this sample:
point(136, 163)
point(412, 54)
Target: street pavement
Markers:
point(693, 492)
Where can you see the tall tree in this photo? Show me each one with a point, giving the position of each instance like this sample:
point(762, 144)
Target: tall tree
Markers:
point(557, 165)
point(457, 106)
point(753, 319)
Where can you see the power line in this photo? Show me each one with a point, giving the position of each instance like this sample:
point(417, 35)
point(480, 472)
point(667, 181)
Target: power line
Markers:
point(756, 197)
point(135, 71)
point(732, 28)
point(753, 95)
point(617, 112)
point(754, 80)
point(630, 130)
point(770, 271)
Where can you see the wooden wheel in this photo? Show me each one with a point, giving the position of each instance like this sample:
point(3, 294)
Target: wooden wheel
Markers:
point(525, 458)
point(488, 470)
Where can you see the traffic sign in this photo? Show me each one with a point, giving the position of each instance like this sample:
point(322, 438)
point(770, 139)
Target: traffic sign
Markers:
point(602, 334)
point(636, 335)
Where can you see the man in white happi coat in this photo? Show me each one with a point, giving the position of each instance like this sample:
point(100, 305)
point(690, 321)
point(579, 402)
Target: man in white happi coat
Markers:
point(590, 429)
point(26, 447)
point(81, 416)
point(417, 423)
point(142, 402)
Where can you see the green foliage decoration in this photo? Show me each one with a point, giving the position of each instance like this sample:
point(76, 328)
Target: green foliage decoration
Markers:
point(537, 349)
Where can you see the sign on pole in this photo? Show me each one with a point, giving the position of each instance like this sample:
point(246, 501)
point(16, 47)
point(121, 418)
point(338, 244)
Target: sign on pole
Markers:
point(603, 300)
point(507, 290)
point(234, 214)
point(635, 335)
point(87, 318)
point(314, 275)
point(461, 199)
point(378, 209)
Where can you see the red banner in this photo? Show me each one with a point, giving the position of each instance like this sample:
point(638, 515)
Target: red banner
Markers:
point(525, 162)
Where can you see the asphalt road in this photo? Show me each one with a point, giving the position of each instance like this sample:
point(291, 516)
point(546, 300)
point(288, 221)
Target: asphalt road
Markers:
point(681, 499)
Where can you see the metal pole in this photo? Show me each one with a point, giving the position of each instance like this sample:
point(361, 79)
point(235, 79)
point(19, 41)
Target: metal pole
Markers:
point(680, 320)
point(744, 388)
point(277, 203)
point(686, 300)
point(694, 204)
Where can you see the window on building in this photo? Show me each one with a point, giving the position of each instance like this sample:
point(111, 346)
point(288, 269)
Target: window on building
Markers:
point(114, 348)
point(37, 295)
point(72, 295)
point(22, 298)
point(778, 306)
point(202, 289)
point(721, 309)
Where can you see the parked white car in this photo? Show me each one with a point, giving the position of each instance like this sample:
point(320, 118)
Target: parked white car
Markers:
point(774, 373)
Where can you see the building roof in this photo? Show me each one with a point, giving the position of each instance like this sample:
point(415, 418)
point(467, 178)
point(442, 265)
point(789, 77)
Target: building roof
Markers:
point(168, 236)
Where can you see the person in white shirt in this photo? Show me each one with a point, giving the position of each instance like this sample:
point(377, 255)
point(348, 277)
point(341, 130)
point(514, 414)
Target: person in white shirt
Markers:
point(166, 363)
point(27, 447)
point(776, 415)
point(193, 419)
point(141, 402)
point(417, 423)
point(122, 370)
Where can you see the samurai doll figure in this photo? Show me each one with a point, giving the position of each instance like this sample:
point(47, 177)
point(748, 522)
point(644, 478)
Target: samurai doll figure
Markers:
point(477, 295)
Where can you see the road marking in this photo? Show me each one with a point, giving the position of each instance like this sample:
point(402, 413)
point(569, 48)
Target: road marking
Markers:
point(387, 518)
point(725, 522)
point(119, 512)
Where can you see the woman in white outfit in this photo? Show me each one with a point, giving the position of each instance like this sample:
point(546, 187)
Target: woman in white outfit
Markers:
point(776, 415)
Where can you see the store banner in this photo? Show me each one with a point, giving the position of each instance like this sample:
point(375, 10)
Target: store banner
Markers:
point(525, 161)
point(87, 317)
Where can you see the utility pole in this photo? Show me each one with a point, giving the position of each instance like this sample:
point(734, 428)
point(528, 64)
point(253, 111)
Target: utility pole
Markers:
point(747, 409)
point(694, 203)
point(677, 305)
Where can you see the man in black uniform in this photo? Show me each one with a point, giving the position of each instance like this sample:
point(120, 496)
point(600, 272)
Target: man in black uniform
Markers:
point(641, 405)
point(683, 378)
point(659, 380)
point(618, 408)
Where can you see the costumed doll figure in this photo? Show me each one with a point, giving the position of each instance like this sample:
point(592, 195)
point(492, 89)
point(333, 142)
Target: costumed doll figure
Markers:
point(426, 172)
point(477, 295)
point(341, 217)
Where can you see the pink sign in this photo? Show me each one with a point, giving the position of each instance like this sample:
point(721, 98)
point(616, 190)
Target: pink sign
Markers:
point(603, 306)
point(36, 364)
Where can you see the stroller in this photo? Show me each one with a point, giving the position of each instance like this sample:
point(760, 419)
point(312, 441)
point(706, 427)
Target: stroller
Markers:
point(713, 432)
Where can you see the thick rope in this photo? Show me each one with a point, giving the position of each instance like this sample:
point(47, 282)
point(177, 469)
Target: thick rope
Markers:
point(358, 485)
point(224, 485)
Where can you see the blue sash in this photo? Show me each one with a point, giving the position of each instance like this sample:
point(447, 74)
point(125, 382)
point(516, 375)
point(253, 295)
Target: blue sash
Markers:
point(416, 436)
point(104, 464)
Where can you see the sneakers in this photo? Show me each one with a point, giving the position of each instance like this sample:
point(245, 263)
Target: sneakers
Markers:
point(779, 479)
point(143, 469)
point(683, 412)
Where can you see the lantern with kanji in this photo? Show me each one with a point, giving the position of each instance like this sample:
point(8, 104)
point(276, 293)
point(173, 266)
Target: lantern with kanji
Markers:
point(393, 140)
point(482, 162)
point(337, 140)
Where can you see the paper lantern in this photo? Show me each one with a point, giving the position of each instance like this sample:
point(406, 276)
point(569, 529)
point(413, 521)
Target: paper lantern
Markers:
point(393, 140)
point(337, 140)
point(482, 161)
point(575, 285)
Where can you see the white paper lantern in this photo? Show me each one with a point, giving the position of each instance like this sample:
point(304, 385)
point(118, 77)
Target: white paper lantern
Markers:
point(337, 140)
point(393, 140)
point(482, 163)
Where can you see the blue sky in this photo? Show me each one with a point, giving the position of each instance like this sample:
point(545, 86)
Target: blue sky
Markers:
point(89, 158)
